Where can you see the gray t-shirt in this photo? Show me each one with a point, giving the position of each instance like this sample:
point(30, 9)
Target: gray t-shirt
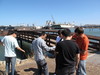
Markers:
point(10, 43)
point(39, 45)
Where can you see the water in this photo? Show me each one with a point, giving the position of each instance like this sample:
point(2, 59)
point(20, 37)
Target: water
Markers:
point(1, 52)
point(94, 32)
point(90, 31)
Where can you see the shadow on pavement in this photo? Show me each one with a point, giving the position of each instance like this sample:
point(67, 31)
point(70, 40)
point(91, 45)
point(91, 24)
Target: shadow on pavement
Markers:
point(51, 73)
point(35, 71)
point(31, 69)
point(16, 72)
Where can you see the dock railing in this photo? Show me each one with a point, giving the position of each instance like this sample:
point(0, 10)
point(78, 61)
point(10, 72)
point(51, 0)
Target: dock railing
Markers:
point(28, 36)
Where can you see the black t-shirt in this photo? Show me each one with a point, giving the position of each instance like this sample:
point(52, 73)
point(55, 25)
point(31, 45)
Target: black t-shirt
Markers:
point(66, 53)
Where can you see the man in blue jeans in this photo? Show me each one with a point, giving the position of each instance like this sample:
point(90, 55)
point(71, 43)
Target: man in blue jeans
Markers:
point(10, 43)
point(38, 46)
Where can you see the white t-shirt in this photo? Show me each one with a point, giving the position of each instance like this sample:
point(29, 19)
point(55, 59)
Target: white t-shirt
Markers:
point(10, 43)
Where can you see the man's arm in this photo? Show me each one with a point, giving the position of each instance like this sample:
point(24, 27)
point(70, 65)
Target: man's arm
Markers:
point(85, 45)
point(82, 52)
point(17, 46)
point(47, 48)
point(77, 60)
point(20, 49)
point(1, 43)
point(57, 48)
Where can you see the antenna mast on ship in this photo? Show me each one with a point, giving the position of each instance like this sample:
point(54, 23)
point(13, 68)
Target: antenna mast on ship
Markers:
point(53, 21)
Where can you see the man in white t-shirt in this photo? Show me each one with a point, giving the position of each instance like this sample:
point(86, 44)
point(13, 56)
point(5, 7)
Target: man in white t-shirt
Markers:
point(10, 43)
point(59, 37)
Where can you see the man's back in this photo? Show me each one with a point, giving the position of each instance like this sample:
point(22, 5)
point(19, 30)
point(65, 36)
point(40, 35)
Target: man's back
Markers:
point(67, 51)
point(83, 43)
point(37, 47)
point(10, 43)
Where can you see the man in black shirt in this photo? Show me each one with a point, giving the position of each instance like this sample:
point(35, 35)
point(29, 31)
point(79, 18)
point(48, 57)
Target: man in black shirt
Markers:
point(67, 55)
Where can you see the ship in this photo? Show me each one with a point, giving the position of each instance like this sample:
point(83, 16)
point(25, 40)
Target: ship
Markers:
point(54, 25)
point(62, 26)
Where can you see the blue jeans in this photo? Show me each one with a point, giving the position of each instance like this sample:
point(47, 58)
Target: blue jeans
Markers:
point(12, 61)
point(81, 68)
point(42, 67)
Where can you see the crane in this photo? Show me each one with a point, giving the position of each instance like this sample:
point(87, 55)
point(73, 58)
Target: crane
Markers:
point(53, 21)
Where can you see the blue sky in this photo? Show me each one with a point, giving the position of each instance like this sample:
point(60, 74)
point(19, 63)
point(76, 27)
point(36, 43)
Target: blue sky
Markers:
point(15, 12)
